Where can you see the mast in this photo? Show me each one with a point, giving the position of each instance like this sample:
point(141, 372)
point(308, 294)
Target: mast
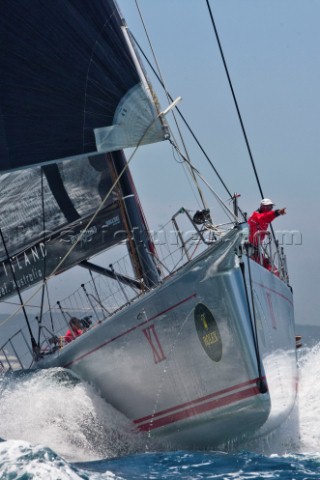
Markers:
point(137, 226)
point(98, 91)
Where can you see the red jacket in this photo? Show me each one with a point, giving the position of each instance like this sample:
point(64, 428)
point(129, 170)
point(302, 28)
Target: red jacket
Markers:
point(258, 225)
point(72, 334)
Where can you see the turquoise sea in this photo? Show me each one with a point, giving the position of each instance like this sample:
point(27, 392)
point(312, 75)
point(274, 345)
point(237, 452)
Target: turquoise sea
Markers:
point(54, 427)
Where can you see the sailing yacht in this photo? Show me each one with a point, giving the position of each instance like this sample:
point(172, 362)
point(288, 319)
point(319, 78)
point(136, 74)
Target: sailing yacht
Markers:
point(192, 340)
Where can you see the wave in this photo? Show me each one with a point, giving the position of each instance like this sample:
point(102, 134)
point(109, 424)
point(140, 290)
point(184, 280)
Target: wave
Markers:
point(20, 461)
point(55, 409)
point(309, 394)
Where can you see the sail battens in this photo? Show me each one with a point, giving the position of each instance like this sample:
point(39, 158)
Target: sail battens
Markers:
point(66, 70)
point(135, 124)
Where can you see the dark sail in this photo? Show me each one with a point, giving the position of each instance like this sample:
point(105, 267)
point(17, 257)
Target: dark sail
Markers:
point(43, 213)
point(69, 84)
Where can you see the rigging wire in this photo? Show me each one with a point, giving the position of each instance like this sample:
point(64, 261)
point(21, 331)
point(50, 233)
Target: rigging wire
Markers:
point(234, 99)
point(184, 119)
point(44, 258)
point(187, 175)
point(239, 115)
point(94, 285)
point(253, 322)
point(188, 162)
point(170, 100)
point(50, 308)
point(229, 213)
point(83, 232)
point(35, 346)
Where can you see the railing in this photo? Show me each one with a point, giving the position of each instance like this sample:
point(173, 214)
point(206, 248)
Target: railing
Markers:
point(268, 254)
point(12, 354)
point(101, 297)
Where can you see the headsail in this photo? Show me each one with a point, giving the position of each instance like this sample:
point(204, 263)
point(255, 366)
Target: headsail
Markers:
point(66, 71)
point(43, 213)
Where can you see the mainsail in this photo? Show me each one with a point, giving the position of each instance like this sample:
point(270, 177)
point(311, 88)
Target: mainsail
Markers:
point(71, 90)
point(67, 70)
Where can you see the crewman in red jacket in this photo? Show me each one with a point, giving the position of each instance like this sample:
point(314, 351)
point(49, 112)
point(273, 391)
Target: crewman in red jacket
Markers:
point(260, 219)
point(74, 331)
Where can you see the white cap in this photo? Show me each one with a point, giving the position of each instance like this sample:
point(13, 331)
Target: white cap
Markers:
point(266, 201)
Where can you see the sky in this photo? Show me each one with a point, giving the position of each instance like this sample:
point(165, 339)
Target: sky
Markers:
point(271, 48)
point(272, 51)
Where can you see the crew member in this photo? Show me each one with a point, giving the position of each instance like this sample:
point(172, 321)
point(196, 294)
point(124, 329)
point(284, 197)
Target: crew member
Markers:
point(260, 219)
point(74, 331)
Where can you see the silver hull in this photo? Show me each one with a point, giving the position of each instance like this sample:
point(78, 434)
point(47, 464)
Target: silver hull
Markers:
point(187, 363)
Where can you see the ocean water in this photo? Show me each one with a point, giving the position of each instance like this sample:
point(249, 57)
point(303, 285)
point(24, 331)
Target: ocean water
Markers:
point(53, 427)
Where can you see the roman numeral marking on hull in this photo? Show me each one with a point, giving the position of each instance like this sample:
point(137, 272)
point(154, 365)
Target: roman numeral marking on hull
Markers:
point(153, 339)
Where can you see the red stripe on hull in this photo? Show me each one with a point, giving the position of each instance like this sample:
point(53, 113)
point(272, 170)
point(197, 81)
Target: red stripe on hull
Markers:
point(199, 400)
point(76, 360)
point(196, 410)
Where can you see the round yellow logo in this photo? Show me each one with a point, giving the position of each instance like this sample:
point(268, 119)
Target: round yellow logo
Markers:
point(208, 332)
